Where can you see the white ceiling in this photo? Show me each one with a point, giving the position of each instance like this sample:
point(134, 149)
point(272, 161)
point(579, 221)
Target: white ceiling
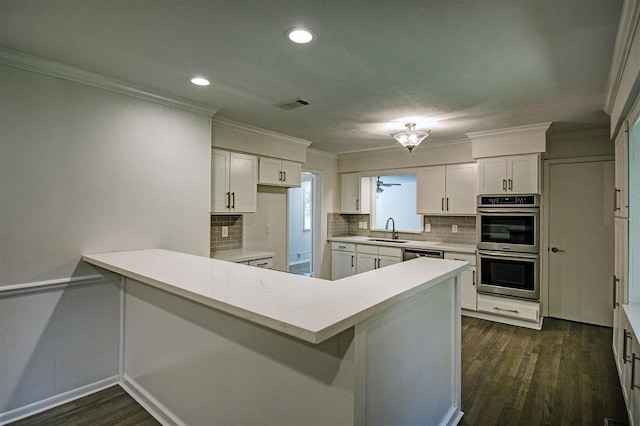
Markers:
point(452, 66)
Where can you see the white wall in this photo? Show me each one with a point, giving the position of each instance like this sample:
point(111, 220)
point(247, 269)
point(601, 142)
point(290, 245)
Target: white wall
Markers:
point(271, 210)
point(83, 170)
point(326, 166)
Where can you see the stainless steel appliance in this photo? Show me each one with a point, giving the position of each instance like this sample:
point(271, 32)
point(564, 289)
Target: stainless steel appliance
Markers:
point(509, 223)
point(411, 253)
point(509, 274)
point(508, 229)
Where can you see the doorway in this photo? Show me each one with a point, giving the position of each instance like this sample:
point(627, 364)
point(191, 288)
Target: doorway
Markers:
point(302, 225)
point(579, 240)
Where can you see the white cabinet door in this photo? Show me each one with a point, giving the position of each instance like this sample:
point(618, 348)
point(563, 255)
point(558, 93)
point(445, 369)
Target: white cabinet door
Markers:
point(492, 175)
point(461, 189)
point(355, 193)
point(342, 264)
point(523, 173)
point(633, 390)
point(622, 165)
point(430, 190)
point(291, 173)
point(270, 171)
point(243, 182)
point(219, 181)
point(366, 262)
point(387, 260)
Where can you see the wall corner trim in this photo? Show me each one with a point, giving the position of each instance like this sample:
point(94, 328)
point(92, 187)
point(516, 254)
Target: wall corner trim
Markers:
point(62, 71)
point(629, 18)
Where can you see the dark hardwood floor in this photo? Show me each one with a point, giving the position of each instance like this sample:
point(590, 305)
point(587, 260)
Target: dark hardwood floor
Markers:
point(562, 375)
point(110, 407)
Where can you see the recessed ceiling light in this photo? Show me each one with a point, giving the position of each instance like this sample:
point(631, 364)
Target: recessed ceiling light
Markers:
point(200, 81)
point(300, 35)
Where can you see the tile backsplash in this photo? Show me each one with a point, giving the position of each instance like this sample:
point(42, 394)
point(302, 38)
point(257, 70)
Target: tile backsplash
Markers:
point(234, 240)
point(441, 228)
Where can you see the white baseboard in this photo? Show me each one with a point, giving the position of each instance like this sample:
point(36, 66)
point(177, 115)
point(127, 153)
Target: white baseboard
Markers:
point(504, 320)
point(54, 401)
point(453, 417)
point(161, 413)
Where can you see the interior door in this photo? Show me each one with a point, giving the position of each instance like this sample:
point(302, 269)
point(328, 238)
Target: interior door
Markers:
point(580, 241)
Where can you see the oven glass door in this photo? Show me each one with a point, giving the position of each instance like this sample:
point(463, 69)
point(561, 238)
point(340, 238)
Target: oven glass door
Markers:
point(510, 275)
point(512, 231)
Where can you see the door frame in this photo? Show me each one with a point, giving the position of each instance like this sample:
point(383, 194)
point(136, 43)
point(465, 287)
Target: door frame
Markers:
point(544, 220)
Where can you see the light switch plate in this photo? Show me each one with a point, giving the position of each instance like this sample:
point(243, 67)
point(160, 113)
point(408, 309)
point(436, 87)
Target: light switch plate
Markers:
point(454, 229)
point(427, 227)
point(225, 231)
point(267, 229)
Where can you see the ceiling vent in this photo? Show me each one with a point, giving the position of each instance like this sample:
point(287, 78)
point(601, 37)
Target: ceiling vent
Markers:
point(298, 103)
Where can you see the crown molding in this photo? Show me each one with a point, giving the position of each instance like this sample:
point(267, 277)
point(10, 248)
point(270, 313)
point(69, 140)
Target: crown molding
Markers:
point(252, 130)
point(399, 148)
point(59, 70)
point(325, 154)
point(629, 17)
point(518, 129)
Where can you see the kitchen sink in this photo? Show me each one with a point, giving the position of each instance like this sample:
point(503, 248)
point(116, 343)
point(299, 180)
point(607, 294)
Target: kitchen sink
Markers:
point(387, 240)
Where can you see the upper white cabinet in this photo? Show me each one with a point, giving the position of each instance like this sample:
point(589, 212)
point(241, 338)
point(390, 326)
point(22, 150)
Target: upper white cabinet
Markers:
point(447, 190)
point(621, 204)
point(279, 172)
point(234, 179)
point(517, 174)
point(355, 193)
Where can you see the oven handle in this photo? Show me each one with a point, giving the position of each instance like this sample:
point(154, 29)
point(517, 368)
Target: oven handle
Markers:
point(508, 254)
point(501, 212)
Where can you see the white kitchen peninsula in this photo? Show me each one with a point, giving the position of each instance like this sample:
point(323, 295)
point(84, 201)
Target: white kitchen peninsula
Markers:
point(212, 342)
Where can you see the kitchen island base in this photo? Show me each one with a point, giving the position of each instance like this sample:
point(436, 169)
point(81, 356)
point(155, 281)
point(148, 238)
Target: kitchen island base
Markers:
point(190, 364)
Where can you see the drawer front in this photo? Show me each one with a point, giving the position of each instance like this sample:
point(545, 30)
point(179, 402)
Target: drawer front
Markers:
point(509, 307)
point(389, 251)
point(343, 246)
point(465, 257)
point(365, 248)
point(262, 263)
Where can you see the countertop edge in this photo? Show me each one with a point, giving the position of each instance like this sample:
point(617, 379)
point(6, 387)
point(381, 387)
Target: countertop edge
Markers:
point(451, 247)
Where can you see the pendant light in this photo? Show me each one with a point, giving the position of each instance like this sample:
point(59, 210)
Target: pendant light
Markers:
point(411, 137)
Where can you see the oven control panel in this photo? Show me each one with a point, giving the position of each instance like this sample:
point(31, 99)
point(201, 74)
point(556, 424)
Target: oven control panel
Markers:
point(530, 200)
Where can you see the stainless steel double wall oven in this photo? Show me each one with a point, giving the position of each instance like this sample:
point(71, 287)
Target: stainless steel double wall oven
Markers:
point(508, 229)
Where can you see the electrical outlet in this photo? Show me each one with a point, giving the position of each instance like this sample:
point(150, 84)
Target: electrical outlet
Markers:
point(454, 229)
point(267, 229)
point(360, 225)
point(427, 227)
point(365, 225)
point(225, 231)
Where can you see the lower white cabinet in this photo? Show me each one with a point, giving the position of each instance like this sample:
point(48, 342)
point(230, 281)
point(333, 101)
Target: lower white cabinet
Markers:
point(506, 307)
point(375, 257)
point(628, 363)
point(343, 260)
point(469, 294)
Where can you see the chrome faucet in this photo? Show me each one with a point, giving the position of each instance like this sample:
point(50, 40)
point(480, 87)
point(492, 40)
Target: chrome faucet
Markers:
point(394, 233)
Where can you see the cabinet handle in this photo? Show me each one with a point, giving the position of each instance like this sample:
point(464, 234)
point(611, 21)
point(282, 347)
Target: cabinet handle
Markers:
point(633, 372)
point(447, 203)
point(615, 292)
point(285, 176)
point(344, 247)
point(442, 203)
point(616, 207)
point(625, 357)
point(474, 278)
point(260, 265)
point(233, 197)
point(379, 264)
point(352, 261)
point(515, 311)
point(357, 204)
point(504, 184)
point(510, 184)
point(228, 194)
point(280, 176)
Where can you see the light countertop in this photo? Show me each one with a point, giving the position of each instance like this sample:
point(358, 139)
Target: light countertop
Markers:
point(460, 248)
point(633, 315)
point(242, 255)
point(310, 309)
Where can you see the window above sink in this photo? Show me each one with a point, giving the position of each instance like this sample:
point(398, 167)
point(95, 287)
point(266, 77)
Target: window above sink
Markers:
point(394, 196)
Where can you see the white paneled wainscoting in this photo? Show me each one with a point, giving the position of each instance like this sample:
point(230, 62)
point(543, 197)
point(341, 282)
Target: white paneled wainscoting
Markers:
point(59, 340)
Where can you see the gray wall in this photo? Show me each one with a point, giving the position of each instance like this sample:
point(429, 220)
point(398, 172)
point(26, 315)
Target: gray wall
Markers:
point(83, 170)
